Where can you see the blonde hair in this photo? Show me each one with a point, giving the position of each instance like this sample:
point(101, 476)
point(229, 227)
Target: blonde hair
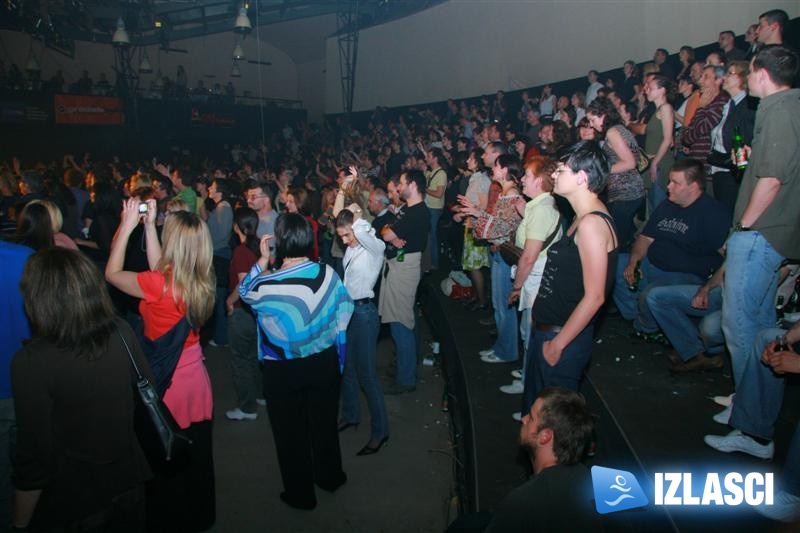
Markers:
point(177, 204)
point(186, 261)
point(56, 218)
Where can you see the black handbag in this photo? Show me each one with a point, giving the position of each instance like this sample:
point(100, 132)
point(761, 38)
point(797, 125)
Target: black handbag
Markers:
point(162, 428)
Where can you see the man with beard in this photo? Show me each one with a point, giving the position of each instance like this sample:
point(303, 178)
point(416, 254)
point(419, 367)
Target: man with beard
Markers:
point(409, 235)
point(555, 435)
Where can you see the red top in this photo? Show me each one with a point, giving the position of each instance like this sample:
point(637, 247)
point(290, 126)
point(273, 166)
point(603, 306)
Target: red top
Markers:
point(242, 261)
point(315, 229)
point(158, 309)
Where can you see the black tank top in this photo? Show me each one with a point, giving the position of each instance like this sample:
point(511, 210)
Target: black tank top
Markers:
point(562, 281)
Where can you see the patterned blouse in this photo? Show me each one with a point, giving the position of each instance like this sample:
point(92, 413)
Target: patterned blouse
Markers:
point(500, 225)
point(302, 311)
point(627, 185)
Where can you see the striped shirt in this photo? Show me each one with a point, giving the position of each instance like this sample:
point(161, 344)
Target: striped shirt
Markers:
point(301, 311)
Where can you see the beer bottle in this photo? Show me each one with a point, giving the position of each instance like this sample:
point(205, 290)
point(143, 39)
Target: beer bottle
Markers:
point(739, 153)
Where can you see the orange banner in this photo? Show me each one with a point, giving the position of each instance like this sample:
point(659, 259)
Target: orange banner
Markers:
point(98, 110)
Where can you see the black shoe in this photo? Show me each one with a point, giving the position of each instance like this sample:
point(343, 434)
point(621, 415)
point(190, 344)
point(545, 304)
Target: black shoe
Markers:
point(332, 486)
point(370, 450)
point(347, 425)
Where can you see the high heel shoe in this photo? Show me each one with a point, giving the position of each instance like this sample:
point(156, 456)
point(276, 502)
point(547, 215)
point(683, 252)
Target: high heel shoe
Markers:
point(347, 425)
point(369, 450)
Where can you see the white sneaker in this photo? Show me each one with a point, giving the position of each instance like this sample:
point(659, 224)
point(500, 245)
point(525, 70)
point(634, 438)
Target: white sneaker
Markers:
point(238, 414)
point(516, 373)
point(724, 401)
point(492, 359)
point(724, 416)
point(261, 401)
point(487, 352)
point(516, 387)
point(517, 416)
point(785, 507)
point(736, 441)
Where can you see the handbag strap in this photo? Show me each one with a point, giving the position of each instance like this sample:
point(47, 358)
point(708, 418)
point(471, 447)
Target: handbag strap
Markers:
point(130, 356)
point(549, 240)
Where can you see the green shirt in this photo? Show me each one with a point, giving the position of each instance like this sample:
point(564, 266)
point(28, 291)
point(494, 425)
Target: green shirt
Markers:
point(436, 178)
point(540, 221)
point(190, 197)
point(776, 154)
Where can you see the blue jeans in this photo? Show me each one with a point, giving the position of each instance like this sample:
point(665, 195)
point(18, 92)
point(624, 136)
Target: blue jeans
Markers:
point(654, 198)
point(566, 373)
point(360, 369)
point(671, 306)
point(623, 212)
point(506, 347)
point(632, 305)
point(433, 236)
point(405, 343)
point(759, 394)
point(748, 294)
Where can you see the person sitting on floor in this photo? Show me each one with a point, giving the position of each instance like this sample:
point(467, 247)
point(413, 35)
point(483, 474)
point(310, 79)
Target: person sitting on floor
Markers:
point(555, 434)
point(680, 244)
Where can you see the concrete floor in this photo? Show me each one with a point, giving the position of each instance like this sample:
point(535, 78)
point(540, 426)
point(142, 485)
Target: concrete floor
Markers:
point(406, 487)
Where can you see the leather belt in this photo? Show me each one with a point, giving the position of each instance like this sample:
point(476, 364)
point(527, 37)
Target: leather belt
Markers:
point(364, 301)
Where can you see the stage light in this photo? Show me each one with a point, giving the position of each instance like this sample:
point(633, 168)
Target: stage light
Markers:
point(242, 24)
point(120, 37)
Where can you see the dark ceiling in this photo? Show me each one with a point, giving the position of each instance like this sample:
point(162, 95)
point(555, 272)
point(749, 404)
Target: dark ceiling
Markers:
point(61, 22)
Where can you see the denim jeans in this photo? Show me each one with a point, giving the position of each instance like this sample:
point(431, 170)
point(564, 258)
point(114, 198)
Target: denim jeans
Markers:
point(748, 294)
point(759, 393)
point(360, 370)
point(711, 332)
point(506, 347)
point(671, 306)
point(623, 212)
point(245, 369)
point(655, 196)
point(405, 344)
point(632, 305)
point(566, 373)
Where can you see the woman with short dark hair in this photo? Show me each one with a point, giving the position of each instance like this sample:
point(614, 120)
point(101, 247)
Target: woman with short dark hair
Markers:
point(78, 461)
point(302, 312)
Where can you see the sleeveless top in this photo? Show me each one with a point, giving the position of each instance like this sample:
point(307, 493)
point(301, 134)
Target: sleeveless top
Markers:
point(654, 136)
point(562, 281)
point(626, 185)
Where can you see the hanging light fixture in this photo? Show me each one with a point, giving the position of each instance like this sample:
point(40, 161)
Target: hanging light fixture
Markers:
point(238, 53)
point(144, 65)
point(120, 37)
point(235, 72)
point(242, 24)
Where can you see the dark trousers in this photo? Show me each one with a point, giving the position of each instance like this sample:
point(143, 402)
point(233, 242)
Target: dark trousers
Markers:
point(566, 373)
point(181, 497)
point(726, 189)
point(303, 405)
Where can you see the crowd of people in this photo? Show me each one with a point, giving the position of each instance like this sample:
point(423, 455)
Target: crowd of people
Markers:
point(294, 252)
point(15, 81)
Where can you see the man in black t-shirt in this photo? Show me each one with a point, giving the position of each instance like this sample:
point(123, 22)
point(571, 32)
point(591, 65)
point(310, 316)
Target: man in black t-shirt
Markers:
point(555, 435)
point(409, 235)
point(680, 245)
